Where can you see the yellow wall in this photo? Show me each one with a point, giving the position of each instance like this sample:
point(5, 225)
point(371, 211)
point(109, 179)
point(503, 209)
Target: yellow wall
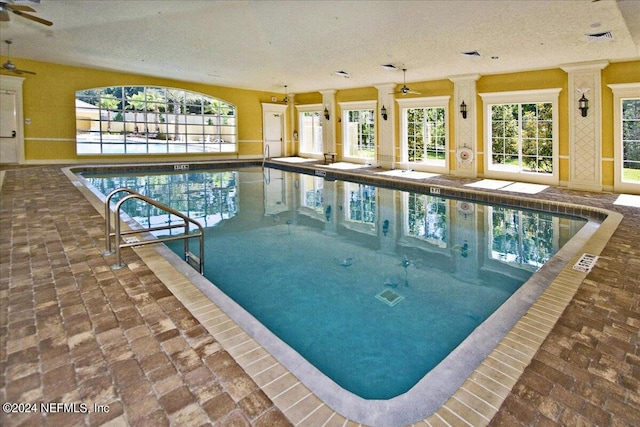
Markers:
point(308, 98)
point(49, 102)
point(357, 94)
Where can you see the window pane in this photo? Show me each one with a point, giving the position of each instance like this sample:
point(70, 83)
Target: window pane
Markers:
point(522, 137)
point(360, 133)
point(151, 120)
point(427, 218)
point(631, 140)
point(361, 205)
point(310, 132)
point(426, 135)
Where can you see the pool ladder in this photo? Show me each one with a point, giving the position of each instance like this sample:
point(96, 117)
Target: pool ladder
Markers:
point(193, 260)
point(266, 156)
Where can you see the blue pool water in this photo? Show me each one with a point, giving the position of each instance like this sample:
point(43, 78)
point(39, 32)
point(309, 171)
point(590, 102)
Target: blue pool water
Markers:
point(373, 286)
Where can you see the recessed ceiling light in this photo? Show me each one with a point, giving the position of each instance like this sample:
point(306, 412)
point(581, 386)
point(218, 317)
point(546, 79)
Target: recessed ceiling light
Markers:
point(389, 67)
point(342, 74)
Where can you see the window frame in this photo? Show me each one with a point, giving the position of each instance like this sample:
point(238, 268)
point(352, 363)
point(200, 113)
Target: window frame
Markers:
point(427, 215)
point(522, 97)
point(437, 166)
point(302, 110)
point(368, 208)
point(517, 230)
point(347, 107)
point(621, 92)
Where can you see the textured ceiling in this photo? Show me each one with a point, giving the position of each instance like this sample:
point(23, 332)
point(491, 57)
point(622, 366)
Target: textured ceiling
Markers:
point(264, 45)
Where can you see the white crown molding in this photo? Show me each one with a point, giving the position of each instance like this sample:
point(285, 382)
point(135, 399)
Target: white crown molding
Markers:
point(584, 66)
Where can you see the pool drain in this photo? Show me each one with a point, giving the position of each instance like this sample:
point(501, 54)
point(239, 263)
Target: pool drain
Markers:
point(389, 297)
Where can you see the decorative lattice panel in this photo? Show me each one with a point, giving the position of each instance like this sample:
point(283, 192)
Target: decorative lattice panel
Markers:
point(585, 144)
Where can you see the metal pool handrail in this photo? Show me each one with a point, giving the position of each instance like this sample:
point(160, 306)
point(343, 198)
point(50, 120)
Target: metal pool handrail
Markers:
point(266, 155)
point(189, 257)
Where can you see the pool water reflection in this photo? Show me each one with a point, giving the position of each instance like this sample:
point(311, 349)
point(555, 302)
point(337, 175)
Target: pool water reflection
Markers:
point(373, 286)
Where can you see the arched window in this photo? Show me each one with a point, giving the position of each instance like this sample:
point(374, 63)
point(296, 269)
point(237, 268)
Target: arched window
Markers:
point(152, 120)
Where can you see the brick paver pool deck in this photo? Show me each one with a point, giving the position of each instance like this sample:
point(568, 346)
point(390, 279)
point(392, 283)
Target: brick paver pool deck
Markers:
point(74, 330)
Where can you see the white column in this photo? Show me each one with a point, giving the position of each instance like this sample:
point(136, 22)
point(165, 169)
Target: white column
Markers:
point(290, 145)
point(329, 126)
point(465, 129)
point(389, 216)
point(585, 135)
point(385, 128)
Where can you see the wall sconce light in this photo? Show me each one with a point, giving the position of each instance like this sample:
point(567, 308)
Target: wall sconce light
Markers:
point(385, 227)
point(383, 111)
point(583, 105)
point(463, 110)
point(327, 213)
point(326, 113)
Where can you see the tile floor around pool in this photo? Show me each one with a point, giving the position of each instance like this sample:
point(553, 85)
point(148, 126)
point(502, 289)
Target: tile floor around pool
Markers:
point(149, 344)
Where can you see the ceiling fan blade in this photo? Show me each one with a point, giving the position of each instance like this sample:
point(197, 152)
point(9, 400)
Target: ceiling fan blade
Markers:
point(24, 71)
point(15, 7)
point(33, 18)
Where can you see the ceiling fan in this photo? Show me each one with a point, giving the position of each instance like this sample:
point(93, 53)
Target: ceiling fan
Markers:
point(20, 10)
point(404, 89)
point(286, 99)
point(286, 95)
point(10, 66)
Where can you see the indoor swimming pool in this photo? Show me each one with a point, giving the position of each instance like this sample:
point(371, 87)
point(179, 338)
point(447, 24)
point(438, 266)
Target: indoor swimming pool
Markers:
point(373, 286)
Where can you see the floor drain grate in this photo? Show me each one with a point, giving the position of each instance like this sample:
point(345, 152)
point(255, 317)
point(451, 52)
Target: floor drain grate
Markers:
point(389, 297)
point(585, 263)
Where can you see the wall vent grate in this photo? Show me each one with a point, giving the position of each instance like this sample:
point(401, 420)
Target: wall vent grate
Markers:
point(471, 53)
point(600, 37)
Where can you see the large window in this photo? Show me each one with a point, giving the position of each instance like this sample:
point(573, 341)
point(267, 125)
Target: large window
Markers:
point(626, 124)
point(427, 218)
point(361, 203)
point(310, 125)
point(358, 130)
point(152, 120)
point(521, 134)
point(424, 133)
point(527, 239)
point(521, 137)
point(311, 191)
point(631, 140)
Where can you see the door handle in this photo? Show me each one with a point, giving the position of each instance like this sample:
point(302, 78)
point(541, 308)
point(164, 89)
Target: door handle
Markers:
point(13, 134)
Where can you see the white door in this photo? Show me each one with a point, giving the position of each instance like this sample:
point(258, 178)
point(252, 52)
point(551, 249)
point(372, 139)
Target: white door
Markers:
point(275, 199)
point(273, 116)
point(8, 127)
